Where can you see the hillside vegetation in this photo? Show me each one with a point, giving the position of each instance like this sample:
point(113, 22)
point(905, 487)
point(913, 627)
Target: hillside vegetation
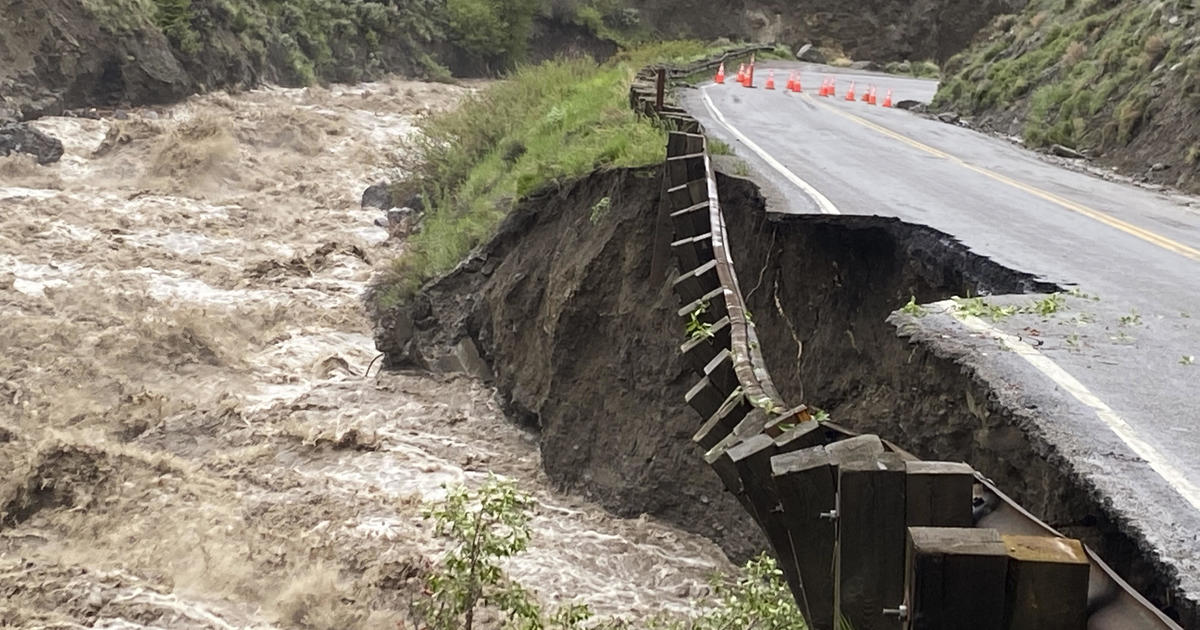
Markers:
point(60, 54)
point(1119, 79)
point(547, 123)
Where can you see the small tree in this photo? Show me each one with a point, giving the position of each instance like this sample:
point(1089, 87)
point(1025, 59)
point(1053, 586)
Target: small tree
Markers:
point(758, 599)
point(485, 526)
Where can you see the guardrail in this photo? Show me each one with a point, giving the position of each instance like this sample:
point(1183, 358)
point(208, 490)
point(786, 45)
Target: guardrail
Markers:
point(867, 535)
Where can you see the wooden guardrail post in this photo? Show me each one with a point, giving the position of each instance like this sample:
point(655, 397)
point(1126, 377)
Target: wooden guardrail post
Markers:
point(1047, 583)
point(954, 579)
point(939, 494)
point(660, 88)
point(804, 481)
point(871, 538)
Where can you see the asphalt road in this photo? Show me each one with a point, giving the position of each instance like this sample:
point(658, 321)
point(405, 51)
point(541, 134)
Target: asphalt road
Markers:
point(1115, 370)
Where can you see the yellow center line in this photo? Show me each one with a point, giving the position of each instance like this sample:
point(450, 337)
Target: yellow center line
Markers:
point(1091, 213)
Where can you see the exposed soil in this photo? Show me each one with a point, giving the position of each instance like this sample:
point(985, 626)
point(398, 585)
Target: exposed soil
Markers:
point(585, 350)
point(187, 434)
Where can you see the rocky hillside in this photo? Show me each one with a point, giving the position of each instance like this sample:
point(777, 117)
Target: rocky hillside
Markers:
point(881, 30)
point(62, 54)
point(1116, 79)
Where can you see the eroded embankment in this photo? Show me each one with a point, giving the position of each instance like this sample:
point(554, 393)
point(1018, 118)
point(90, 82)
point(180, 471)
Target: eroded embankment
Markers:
point(833, 284)
point(584, 346)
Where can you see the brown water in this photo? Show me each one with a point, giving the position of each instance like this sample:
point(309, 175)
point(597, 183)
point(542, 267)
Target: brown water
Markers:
point(186, 434)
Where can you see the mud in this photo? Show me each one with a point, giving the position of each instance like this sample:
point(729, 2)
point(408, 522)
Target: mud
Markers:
point(188, 433)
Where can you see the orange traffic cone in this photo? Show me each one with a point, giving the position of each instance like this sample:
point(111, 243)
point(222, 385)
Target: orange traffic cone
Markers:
point(887, 100)
point(749, 82)
point(770, 80)
point(866, 97)
point(796, 87)
point(850, 92)
point(720, 78)
point(871, 96)
point(741, 75)
point(791, 84)
point(825, 87)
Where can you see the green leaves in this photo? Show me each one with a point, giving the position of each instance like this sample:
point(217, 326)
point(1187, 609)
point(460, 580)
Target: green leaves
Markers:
point(757, 598)
point(485, 526)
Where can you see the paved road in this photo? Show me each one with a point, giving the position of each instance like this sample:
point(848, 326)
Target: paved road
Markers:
point(1130, 412)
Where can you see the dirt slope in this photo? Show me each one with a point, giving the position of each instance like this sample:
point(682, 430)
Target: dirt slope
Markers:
point(1117, 79)
point(584, 347)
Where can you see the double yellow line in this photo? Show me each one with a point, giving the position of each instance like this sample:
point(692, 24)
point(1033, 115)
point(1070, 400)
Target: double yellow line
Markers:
point(1091, 213)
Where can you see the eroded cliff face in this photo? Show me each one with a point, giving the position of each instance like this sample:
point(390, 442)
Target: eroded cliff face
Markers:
point(584, 346)
point(881, 30)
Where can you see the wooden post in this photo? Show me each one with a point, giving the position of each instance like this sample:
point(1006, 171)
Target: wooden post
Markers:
point(805, 484)
point(939, 494)
point(871, 539)
point(860, 447)
point(660, 88)
point(752, 457)
point(1047, 583)
point(954, 579)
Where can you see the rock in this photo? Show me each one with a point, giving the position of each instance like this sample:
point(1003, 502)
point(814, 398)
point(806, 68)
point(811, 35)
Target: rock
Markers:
point(377, 196)
point(950, 118)
point(1067, 152)
point(911, 105)
point(810, 54)
point(416, 202)
point(22, 138)
point(1159, 166)
point(869, 66)
point(401, 222)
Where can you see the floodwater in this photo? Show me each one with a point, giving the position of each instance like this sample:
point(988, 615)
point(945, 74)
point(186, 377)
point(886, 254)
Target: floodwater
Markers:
point(188, 435)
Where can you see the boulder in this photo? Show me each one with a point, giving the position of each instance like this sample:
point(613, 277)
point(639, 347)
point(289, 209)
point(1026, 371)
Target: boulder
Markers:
point(911, 105)
point(23, 138)
point(377, 196)
point(416, 202)
point(810, 54)
point(869, 66)
point(1064, 151)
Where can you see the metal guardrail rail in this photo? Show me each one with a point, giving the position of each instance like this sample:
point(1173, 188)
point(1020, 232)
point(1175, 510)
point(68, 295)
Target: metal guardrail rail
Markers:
point(827, 498)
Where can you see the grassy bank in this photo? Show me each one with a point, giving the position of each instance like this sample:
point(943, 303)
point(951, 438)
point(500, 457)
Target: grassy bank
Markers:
point(1118, 78)
point(546, 123)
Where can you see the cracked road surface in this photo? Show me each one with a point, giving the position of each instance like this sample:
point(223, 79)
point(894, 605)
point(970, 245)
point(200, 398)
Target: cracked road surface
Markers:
point(1115, 367)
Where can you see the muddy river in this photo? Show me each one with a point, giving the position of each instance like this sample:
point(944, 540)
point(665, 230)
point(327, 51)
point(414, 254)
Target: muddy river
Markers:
point(188, 438)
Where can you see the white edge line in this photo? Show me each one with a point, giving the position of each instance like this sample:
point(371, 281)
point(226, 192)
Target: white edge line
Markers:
point(1158, 462)
point(823, 203)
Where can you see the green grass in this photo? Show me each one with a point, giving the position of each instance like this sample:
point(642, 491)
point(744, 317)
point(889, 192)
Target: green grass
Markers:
point(543, 125)
point(1081, 73)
